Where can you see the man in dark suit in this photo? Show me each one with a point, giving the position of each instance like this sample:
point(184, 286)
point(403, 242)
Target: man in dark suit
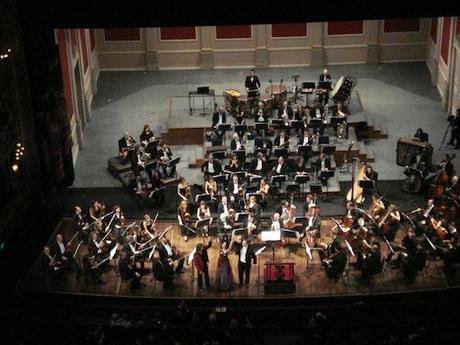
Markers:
point(211, 167)
point(166, 252)
point(128, 271)
point(324, 76)
point(322, 164)
point(282, 140)
point(257, 165)
point(252, 85)
point(219, 117)
point(200, 261)
point(455, 131)
point(281, 167)
point(285, 110)
point(246, 256)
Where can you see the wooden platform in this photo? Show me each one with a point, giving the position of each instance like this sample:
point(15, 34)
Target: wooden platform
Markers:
point(310, 279)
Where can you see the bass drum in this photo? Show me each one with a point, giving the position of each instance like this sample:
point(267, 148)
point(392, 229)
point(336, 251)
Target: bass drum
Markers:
point(342, 89)
point(231, 98)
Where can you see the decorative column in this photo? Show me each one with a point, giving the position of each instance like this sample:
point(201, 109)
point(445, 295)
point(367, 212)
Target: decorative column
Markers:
point(316, 32)
point(261, 55)
point(372, 28)
point(151, 36)
point(206, 53)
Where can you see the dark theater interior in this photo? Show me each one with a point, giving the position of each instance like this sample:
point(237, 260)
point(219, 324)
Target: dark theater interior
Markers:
point(217, 173)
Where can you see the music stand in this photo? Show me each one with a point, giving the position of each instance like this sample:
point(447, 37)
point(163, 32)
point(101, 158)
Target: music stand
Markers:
point(281, 152)
point(240, 128)
point(335, 120)
point(264, 151)
point(202, 197)
point(329, 150)
point(241, 217)
point(224, 127)
point(315, 123)
point(241, 175)
point(304, 150)
point(308, 85)
point(293, 188)
point(324, 85)
point(255, 179)
point(219, 155)
point(278, 123)
point(271, 237)
point(302, 180)
point(297, 124)
point(220, 180)
point(301, 220)
point(316, 189)
point(261, 126)
point(257, 253)
point(323, 140)
point(202, 223)
point(279, 178)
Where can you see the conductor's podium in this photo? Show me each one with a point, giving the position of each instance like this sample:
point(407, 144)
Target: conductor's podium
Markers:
point(279, 277)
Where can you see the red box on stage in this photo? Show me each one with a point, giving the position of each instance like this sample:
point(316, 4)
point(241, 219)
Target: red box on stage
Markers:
point(279, 277)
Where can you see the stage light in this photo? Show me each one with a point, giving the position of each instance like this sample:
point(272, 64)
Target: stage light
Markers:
point(15, 167)
point(18, 144)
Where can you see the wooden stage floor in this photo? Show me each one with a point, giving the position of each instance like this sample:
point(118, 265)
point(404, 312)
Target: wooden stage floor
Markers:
point(310, 280)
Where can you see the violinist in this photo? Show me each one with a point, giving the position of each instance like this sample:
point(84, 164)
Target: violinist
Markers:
point(282, 140)
point(203, 212)
point(253, 208)
point(148, 224)
point(184, 218)
point(310, 201)
point(96, 210)
point(234, 164)
point(118, 220)
point(210, 187)
point(389, 223)
point(95, 246)
point(312, 230)
point(257, 166)
point(170, 253)
point(49, 263)
point(264, 189)
point(182, 189)
point(79, 224)
point(300, 165)
point(400, 252)
point(421, 215)
point(60, 250)
point(360, 236)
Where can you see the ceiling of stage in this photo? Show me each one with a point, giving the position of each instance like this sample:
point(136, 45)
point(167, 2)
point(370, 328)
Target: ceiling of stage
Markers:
point(98, 14)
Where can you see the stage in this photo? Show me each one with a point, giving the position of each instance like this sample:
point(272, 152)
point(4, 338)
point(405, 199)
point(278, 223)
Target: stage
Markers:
point(311, 281)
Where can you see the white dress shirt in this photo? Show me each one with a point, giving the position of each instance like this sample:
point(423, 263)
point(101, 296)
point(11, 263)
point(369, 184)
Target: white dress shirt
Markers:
point(243, 254)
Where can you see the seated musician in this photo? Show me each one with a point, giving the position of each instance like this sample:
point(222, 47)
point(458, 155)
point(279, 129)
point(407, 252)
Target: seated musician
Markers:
point(96, 210)
point(147, 139)
point(317, 112)
point(282, 140)
point(444, 166)
point(257, 165)
point(281, 167)
point(210, 187)
point(407, 248)
point(334, 264)
point(299, 112)
point(264, 189)
point(223, 207)
point(185, 218)
point(211, 166)
point(369, 175)
point(323, 163)
point(124, 144)
point(452, 191)
point(253, 207)
point(286, 211)
point(276, 222)
point(300, 165)
point(182, 189)
point(424, 213)
point(169, 253)
point(165, 155)
point(95, 247)
point(49, 263)
point(225, 226)
point(350, 217)
point(339, 111)
point(312, 229)
point(376, 207)
point(451, 252)
point(285, 112)
point(305, 139)
point(389, 224)
point(251, 225)
point(162, 271)
point(148, 224)
point(204, 212)
point(261, 115)
point(236, 143)
point(219, 117)
point(234, 164)
point(59, 250)
point(128, 271)
point(264, 143)
point(79, 223)
point(309, 202)
point(239, 120)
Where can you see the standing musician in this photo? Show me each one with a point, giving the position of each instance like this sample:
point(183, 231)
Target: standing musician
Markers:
point(162, 271)
point(148, 141)
point(204, 212)
point(246, 256)
point(60, 251)
point(324, 76)
point(128, 271)
point(257, 165)
point(334, 264)
point(218, 118)
point(455, 131)
point(281, 167)
point(211, 166)
point(125, 144)
point(252, 85)
point(323, 163)
point(170, 253)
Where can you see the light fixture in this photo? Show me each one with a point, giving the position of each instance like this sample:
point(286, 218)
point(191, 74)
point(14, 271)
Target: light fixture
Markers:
point(15, 167)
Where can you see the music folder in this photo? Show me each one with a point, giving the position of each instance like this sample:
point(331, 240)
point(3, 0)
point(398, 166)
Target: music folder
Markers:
point(304, 149)
point(219, 154)
point(223, 127)
point(203, 222)
point(278, 122)
point(261, 126)
point(315, 123)
point(264, 151)
point(174, 161)
point(281, 152)
point(219, 178)
point(300, 179)
point(241, 217)
point(202, 197)
point(297, 124)
point(270, 236)
point(279, 178)
point(327, 173)
point(292, 188)
point(301, 220)
point(240, 128)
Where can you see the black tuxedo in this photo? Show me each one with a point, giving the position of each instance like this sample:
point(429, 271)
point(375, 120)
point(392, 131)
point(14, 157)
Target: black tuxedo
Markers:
point(145, 136)
point(277, 140)
point(253, 166)
point(217, 167)
point(284, 169)
point(325, 78)
point(215, 118)
point(289, 112)
point(327, 163)
point(122, 144)
point(162, 152)
point(252, 83)
point(233, 145)
point(244, 268)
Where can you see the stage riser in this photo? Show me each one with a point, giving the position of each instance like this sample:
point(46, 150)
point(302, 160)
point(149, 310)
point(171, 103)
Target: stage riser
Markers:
point(186, 136)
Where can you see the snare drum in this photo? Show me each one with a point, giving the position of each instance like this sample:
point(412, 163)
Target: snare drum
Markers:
point(279, 93)
point(231, 98)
